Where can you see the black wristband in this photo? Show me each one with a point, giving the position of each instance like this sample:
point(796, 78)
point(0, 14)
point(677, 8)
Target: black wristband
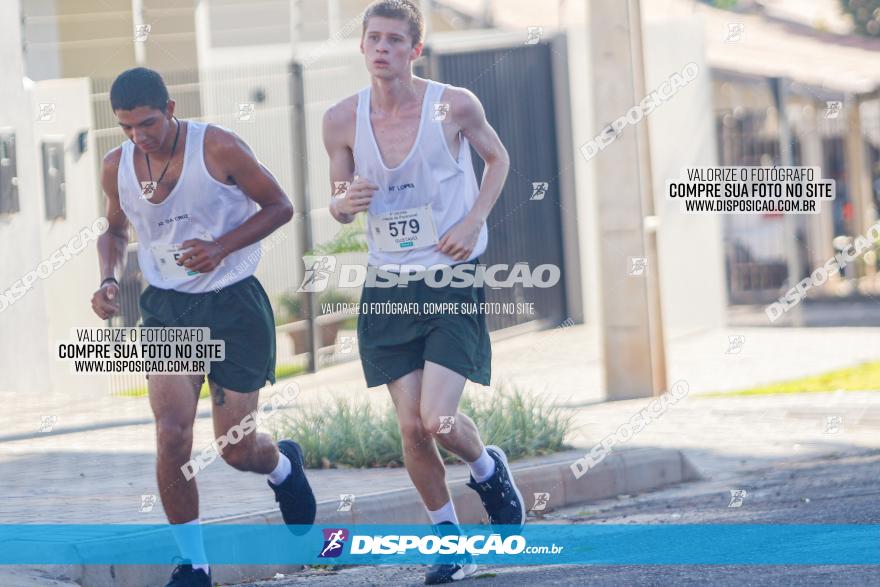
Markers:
point(109, 279)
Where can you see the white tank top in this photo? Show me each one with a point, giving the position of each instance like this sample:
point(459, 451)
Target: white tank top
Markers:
point(198, 205)
point(428, 175)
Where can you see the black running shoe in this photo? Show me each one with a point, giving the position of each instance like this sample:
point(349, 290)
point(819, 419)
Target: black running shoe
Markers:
point(185, 576)
point(449, 571)
point(294, 495)
point(499, 494)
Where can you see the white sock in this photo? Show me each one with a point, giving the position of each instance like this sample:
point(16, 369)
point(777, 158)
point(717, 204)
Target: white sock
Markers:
point(281, 471)
point(190, 543)
point(444, 514)
point(483, 467)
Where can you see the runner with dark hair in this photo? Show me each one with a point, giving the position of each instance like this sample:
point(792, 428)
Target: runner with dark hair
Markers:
point(200, 203)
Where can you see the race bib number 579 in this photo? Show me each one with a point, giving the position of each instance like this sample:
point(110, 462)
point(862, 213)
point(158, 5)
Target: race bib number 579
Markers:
point(404, 230)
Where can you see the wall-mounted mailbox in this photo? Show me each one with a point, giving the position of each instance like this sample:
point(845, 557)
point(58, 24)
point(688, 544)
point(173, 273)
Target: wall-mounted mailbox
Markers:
point(53, 178)
point(8, 173)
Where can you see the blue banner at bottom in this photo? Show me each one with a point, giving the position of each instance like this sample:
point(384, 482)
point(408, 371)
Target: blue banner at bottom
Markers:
point(736, 544)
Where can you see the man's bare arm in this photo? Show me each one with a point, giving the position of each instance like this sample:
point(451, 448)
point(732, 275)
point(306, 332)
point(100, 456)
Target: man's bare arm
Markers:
point(239, 163)
point(336, 129)
point(112, 244)
point(468, 113)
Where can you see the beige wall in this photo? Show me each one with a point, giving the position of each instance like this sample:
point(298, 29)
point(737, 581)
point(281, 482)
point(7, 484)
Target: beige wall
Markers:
point(95, 38)
point(171, 45)
point(583, 128)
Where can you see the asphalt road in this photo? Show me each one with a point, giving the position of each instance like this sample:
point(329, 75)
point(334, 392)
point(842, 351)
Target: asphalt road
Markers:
point(835, 490)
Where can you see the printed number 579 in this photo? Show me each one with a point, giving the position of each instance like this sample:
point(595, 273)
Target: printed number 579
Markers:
point(398, 228)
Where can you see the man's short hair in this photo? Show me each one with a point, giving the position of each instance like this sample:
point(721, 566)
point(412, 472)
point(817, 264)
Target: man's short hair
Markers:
point(138, 87)
point(401, 10)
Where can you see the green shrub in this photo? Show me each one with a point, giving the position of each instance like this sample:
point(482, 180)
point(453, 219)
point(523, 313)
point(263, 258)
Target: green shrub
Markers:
point(291, 305)
point(293, 309)
point(350, 239)
point(356, 434)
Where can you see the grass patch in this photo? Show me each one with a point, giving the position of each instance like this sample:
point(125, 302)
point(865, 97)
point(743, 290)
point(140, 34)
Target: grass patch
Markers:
point(285, 371)
point(281, 372)
point(142, 391)
point(132, 392)
point(859, 378)
point(354, 433)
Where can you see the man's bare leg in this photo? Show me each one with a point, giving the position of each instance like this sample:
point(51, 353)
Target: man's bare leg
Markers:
point(173, 399)
point(441, 394)
point(255, 452)
point(420, 454)
point(491, 477)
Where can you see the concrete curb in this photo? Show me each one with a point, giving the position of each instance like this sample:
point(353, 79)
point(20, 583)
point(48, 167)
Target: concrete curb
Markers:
point(627, 471)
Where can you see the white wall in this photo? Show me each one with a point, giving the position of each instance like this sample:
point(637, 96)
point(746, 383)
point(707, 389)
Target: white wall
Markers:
point(23, 325)
point(682, 133)
point(34, 323)
point(69, 289)
point(42, 57)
